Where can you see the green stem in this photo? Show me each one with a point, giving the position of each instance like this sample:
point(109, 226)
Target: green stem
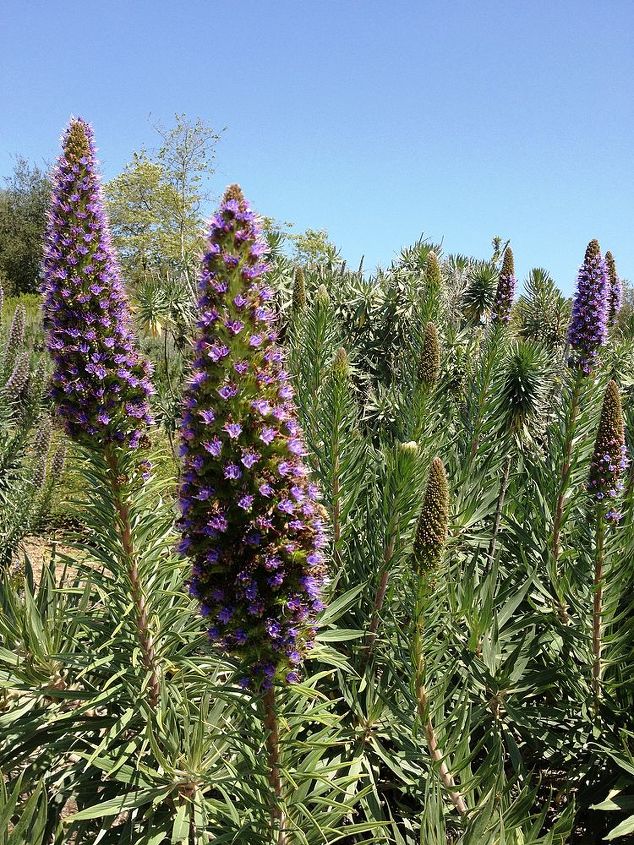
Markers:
point(498, 510)
point(124, 528)
point(370, 638)
point(271, 723)
point(597, 607)
point(422, 704)
point(571, 425)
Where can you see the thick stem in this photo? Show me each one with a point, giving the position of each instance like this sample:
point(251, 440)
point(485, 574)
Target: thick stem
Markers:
point(597, 608)
point(273, 758)
point(499, 507)
point(566, 469)
point(124, 528)
point(336, 508)
point(370, 638)
point(424, 714)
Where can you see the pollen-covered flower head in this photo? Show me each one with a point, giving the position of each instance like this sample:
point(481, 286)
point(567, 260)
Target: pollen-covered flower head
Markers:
point(588, 326)
point(250, 522)
point(609, 459)
point(505, 290)
point(429, 364)
point(615, 297)
point(431, 532)
point(100, 383)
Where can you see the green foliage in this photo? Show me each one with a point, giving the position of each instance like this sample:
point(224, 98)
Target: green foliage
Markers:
point(101, 741)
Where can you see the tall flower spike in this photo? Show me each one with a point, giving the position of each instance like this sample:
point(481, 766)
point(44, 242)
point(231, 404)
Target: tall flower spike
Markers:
point(250, 521)
point(299, 291)
point(588, 327)
point(429, 365)
point(100, 383)
point(609, 459)
point(505, 290)
point(431, 533)
point(615, 289)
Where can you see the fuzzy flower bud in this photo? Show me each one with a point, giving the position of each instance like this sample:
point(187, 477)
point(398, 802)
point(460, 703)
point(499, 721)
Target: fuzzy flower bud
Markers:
point(250, 520)
point(59, 459)
point(341, 364)
point(100, 382)
point(322, 297)
point(588, 327)
point(18, 380)
point(299, 291)
point(39, 473)
point(505, 290)
point(42, 439)
point(615, 299)
point(432, 270)
point(431, 533)
point(15, 337)
point(609, 459)
point(429, 364)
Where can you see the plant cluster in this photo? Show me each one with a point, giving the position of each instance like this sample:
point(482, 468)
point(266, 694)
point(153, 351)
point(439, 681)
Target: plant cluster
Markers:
point(388, 600)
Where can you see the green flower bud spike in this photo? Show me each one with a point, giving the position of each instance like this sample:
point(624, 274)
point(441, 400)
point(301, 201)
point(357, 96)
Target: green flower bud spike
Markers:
point(432, 270)
point(299, 292)
point(322, 297)
point(431, 533)
point(431, 536)
point(341, 364)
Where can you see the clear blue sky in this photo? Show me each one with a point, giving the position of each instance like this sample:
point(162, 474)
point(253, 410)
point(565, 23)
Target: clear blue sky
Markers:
point(376, 120)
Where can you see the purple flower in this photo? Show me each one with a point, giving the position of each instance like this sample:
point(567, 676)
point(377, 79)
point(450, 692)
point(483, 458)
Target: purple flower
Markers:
point(260, 573)
point(100, 382)
point(267, 434)
point(588, 327)
point(232, 429)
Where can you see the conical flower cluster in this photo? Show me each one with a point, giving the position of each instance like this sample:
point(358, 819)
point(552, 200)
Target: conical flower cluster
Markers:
point(505, 290)
point(429, 364)
point(431, 532)
point(615, 299)
point(250, 520)
point(588, 327)
point(433, 275)
point(609, 459)
point(299, 291)
point(100, 383)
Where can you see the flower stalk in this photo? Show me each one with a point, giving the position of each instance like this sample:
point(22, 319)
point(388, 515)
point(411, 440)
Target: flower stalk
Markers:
point(609, 462)
point(431, 536)
point(271, 724)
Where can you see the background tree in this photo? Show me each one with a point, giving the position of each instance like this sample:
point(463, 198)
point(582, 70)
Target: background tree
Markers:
point(23, 204)
point(156, 204)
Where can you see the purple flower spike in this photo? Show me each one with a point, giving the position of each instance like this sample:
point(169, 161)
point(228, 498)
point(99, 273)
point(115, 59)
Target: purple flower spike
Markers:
point(100, 382)
point(588, 327)
point(506, 289)
point(262, 583)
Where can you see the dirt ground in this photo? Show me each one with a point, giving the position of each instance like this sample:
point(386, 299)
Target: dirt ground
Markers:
point(39, 550)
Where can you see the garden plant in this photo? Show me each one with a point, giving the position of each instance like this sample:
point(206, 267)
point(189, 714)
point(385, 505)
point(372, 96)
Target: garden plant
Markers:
point(330, 556)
